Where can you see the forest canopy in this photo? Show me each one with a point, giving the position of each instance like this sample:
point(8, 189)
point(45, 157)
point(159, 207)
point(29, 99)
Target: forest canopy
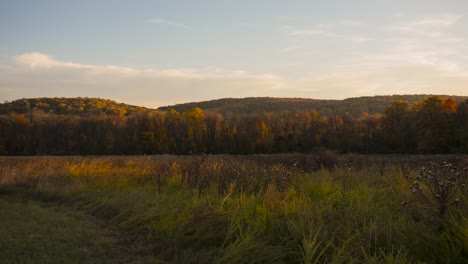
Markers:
point(90, 126)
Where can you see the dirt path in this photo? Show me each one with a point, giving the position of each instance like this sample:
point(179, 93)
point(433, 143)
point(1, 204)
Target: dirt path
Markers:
point(33, 231)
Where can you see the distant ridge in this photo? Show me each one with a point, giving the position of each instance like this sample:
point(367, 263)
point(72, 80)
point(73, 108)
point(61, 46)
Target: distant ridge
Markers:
point(94, 126)
point(84, 106)
point(70, 106)
point(251, 105)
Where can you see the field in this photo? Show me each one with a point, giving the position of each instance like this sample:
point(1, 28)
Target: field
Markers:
point(291, 208)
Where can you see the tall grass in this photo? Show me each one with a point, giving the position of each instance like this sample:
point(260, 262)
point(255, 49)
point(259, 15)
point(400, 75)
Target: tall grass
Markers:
point(260, 209)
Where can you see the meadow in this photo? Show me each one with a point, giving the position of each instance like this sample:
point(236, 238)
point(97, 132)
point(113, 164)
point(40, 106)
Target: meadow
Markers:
point(285, 208)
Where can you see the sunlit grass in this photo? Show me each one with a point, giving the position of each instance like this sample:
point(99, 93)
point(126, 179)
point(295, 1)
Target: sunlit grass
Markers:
point(33, 233)
point(220, 209)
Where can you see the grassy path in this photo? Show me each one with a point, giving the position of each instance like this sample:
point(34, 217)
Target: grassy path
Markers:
point(35, 232)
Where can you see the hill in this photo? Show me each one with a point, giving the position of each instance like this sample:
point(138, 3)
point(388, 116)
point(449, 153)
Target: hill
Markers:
point(227, 107)
point(253, 105)
point(87, 126)
point(70, 106)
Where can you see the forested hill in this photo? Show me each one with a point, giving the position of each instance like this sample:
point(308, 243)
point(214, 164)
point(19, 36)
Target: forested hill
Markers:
point(84, 126)
point(70, 106)
point(226, 107)
point(255, 105)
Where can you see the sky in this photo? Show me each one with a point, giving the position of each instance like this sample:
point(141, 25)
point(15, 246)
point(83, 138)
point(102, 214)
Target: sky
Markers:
point(156, 53)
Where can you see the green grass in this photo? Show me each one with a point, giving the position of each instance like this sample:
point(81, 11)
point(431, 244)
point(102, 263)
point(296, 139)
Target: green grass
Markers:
point(243, 213)
point(35, 232)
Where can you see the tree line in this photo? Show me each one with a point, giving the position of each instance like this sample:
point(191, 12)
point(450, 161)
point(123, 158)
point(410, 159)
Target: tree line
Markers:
point(254, 105)
point(434, 125)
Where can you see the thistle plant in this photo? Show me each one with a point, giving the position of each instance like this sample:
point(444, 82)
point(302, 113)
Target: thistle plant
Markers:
point(382, 165)
point(406, 169)
point(440, 186)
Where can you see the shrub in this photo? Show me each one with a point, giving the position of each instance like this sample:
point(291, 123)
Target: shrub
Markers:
point(439, 187)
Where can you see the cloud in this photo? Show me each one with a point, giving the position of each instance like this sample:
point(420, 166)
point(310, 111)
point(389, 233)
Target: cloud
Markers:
point(352, 23)
point(319, 30)
point(384, 78)
point(427, 40)
point(39, 61)
point(433, 26)
point(39, 75)
point(440, 20)
point(401, 65)
point(310, 32)
point(290, 48)
point(166, 22)
point(413, 55)
point(248, 25)
point(328, 30)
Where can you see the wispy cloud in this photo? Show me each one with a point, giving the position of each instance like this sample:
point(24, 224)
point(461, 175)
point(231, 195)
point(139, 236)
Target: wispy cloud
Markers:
point(340, 30)
point(432, 26)
point(38, 61)
point(320, 30)
point(166, 22)
point(421, 55)
point(37, 74)
point(248, 25)
point(343, 22)
point(324, 30)
point(409, 54)
point(374, 76)
point(440, 20)
point(352, 23)
point(308, 32)
point(290, 48)
point(427, 40)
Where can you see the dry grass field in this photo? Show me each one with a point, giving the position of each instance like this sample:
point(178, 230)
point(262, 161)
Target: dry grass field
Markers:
point(291, 208)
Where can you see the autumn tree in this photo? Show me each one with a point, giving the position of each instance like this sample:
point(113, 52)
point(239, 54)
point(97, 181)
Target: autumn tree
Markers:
point(433, 119)
point(460, 128)
point(195, 130)
point(396, 127)
point(86, 126)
